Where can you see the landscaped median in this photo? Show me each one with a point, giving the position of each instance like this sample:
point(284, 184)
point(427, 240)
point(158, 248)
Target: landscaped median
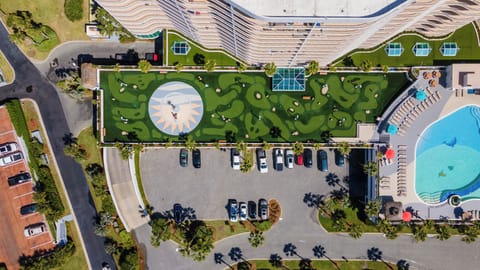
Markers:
point(312, 265)
point(196, 238)
point(6, 69)
point(341, 215)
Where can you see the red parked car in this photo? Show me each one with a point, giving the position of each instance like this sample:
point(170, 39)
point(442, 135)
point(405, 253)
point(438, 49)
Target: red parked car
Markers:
point(299, 159)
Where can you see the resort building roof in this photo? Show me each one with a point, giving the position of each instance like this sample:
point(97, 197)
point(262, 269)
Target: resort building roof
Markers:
point(309, 8)
point(461, 76)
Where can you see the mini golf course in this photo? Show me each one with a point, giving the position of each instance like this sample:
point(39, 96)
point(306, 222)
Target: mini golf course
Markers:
point(240, 106)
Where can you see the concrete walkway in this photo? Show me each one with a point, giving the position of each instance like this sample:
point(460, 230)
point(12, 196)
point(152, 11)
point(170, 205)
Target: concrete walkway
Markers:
point(122, 188)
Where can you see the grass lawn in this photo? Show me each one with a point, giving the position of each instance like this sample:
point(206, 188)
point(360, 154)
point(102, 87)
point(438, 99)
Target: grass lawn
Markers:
point(6, 69)
point(88, 142)
point(224, 228)
point(241, 106)
point(221, 57)
point(324, 265)
point(49, 13)
point(77, 261)
point(465, 37)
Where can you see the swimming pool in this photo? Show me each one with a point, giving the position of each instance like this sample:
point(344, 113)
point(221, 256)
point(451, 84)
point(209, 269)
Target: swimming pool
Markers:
point(447, 156)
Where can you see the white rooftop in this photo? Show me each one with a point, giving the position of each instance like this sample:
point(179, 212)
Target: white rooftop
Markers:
point(313, 8)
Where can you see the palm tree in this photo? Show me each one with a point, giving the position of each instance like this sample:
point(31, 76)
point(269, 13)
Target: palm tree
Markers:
point(275, 260)
point(385, 68)
point(144, 66)
point(317, 146)
point(305, 264)
point(190, 144)
point(420, 233)
point(290, 249)
point(116, 68)
point(444, 232)
point(366, 65)
point(178, 67)
point(319, 252)
point(330, 206)
point(298, 148)
point(374, 254)
point(344, 148)
point(270, 69)
point(160, 231)
point(403, 265)
point(241, 68)
point(372, 208)
point(266, 146)
point(210, 65)
point(371, 168)
point(469, 234)
point(312, 68)
point(355, 230)
point(256, 238)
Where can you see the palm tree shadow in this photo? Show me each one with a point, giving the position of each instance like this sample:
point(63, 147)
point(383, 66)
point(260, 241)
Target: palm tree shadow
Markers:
point(218, 258)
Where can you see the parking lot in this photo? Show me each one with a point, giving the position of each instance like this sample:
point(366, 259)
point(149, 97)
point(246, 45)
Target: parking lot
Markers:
point(13, 242)
point(208, 189)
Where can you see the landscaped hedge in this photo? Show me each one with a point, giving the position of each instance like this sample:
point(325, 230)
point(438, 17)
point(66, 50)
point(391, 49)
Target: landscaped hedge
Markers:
point(73, 9)
point(48, 259)
point(46, 196)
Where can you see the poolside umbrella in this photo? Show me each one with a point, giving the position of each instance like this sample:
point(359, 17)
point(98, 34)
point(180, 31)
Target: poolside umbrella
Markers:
point(406, 216)
point(420, 95)
point(392, 129)
point(390, 153)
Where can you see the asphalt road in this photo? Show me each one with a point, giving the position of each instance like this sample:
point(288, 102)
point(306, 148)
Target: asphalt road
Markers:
point(56, 126)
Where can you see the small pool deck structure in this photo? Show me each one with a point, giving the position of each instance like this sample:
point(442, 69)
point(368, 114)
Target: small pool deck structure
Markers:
point(397, 179)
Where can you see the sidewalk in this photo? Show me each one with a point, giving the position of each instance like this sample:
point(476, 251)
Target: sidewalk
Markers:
point(122, 188)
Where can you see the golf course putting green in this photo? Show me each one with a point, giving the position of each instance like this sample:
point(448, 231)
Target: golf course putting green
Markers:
point(236, 106)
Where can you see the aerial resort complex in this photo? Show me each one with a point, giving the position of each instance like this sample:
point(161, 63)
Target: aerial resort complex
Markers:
point(240, 134)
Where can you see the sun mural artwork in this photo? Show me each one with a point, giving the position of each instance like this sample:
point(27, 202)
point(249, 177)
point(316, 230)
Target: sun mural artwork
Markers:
point(175, 108)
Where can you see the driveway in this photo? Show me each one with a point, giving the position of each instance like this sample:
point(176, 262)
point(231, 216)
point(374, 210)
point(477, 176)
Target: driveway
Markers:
point(208, 189)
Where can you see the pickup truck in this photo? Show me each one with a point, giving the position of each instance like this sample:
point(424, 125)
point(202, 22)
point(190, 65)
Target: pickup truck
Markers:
point(262, 161)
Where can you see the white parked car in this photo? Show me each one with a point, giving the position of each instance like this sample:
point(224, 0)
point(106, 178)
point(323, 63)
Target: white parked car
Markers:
point(289, 158)
point(235, 159)
point(262, 161)
point(35, 229)
point(7, 148)
point(278, 162)
point(11, 158)
point(243, 211)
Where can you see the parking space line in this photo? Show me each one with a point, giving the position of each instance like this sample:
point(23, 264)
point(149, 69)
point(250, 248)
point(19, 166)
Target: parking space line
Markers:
point(24, 194)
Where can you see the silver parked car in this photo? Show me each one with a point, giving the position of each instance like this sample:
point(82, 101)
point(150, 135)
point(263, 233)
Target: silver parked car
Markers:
point(11, 158)
point(7, 148)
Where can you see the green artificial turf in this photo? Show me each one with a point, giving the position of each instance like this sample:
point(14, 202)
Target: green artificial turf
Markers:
point(359, 97)
point(465, 37)
point(221, 58)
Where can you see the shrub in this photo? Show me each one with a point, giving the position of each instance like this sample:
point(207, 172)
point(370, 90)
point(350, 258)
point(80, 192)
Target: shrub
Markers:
point(73, 9)
point(47, 259)
point(107, 205)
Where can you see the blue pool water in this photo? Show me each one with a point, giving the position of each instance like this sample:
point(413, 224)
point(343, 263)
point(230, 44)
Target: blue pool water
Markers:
point(447, 157)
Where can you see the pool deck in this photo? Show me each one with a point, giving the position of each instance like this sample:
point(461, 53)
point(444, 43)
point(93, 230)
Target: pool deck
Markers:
point(397, 179)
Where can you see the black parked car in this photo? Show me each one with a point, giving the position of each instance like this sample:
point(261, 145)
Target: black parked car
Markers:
point(196, 159)
point(263, 209)
point(322, 160)
point(307, 158)
point(183, 157)
point(252, 210)
point(177, 213)
point(19, 179)
point(28, 209)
